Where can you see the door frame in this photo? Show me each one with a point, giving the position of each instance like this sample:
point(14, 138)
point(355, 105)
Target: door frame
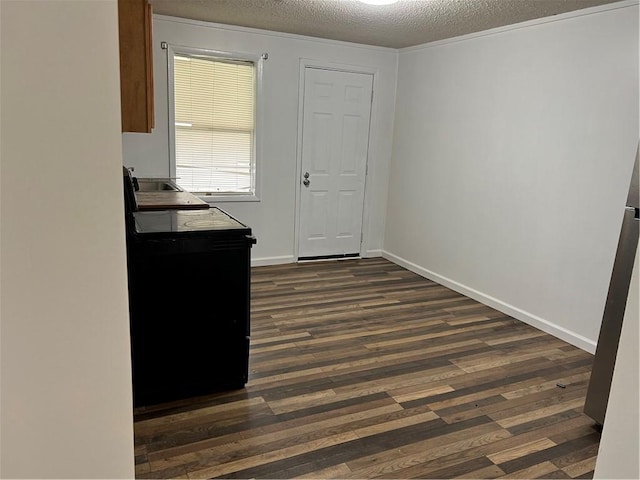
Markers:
point(366, 214)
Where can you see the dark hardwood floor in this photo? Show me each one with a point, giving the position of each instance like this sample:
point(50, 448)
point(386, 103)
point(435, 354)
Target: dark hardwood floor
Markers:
point(361, 369)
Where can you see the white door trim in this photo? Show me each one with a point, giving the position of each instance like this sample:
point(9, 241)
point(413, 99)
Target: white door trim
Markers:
point(366, 214)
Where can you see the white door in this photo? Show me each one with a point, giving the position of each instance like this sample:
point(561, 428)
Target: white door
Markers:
point(335, 138)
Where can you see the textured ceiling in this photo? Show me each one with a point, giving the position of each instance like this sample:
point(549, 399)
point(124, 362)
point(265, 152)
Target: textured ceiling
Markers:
point(406, 23)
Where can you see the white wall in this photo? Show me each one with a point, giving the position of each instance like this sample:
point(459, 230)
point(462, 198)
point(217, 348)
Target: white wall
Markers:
point(619, 447)
point(65, 361)
point(272, 219)
point(512, 156)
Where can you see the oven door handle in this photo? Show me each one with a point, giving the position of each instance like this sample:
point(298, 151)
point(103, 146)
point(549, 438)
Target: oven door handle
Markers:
point(252, 239)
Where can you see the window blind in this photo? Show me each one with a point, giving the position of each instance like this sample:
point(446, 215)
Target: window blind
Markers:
point(214, 105)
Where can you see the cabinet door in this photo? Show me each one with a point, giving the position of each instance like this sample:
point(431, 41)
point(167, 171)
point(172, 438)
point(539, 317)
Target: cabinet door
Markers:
point(136, 65)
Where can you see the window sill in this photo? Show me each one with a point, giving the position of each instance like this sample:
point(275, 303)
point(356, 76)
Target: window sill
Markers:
point(228, 198)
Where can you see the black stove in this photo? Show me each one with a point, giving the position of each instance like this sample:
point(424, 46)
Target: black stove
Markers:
point(189, 302)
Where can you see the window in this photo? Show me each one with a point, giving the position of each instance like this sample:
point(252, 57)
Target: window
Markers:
point(214, 123)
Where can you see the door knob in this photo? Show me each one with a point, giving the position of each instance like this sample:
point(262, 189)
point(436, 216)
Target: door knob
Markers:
point(306, 175)
point(306, 182)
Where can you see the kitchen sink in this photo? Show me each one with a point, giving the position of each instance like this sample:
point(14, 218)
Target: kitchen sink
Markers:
point(157, 185)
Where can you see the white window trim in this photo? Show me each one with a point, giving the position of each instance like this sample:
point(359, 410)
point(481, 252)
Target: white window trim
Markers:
point(258, 61)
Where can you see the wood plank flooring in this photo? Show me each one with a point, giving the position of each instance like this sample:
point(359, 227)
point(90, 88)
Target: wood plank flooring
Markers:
point(361, 369)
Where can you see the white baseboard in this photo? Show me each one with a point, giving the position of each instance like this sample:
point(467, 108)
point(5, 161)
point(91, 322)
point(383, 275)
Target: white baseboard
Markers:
point(515, 312)
point(265, 261)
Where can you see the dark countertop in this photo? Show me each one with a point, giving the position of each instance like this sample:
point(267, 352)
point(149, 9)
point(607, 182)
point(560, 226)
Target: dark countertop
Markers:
point(164, 200)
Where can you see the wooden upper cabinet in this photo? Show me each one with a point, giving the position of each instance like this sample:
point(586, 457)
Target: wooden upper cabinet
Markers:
point(136, 65)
